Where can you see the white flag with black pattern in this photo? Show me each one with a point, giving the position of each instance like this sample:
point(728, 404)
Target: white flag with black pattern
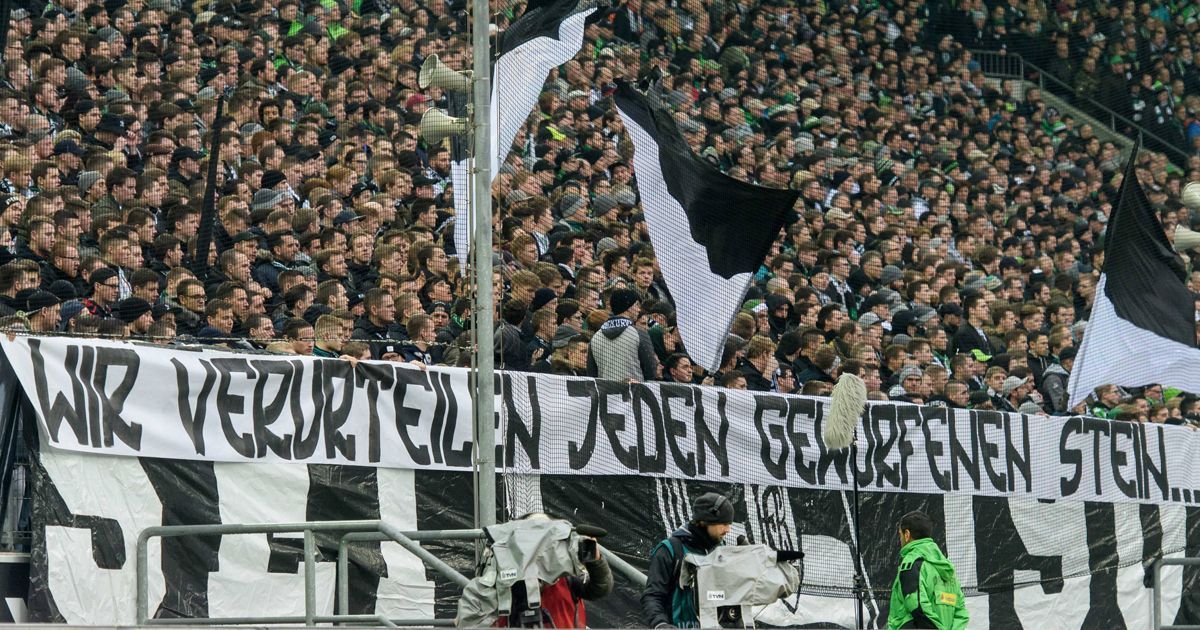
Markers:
point(710, 232)
point(1142, 329)
point(548, 34)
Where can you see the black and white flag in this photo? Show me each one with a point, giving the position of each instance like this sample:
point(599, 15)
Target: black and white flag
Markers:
point(460, 179)
point(1143, 324)
point(710, 232)
point(547, 35)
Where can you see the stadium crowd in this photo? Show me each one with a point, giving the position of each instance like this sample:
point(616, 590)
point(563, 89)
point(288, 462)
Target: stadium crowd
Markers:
point(945, 247)
point(1136, 59)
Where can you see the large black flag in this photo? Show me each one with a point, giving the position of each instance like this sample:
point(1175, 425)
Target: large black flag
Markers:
point(548, 34)
point(710, 232)
point(1143, 324)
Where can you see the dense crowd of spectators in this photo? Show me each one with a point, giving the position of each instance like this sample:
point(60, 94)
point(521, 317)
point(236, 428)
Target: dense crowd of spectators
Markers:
point(1137, 59)
point(945, 248)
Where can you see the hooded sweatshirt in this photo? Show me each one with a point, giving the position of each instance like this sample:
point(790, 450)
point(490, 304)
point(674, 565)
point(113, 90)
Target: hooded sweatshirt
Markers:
point(779, 325)
point(1054, 386)
point(621, 351)
point(926, 593)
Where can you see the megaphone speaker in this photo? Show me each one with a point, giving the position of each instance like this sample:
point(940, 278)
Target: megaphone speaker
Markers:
point(1191, 195)
point(436, 126)
point(434, 73)
point(1186, 239)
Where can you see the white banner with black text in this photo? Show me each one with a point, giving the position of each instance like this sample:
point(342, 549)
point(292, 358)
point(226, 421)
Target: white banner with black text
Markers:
point(134, 436)
point(119, 398)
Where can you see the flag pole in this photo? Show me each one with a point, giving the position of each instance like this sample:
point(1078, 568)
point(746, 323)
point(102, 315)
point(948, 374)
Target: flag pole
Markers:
point(482, 317)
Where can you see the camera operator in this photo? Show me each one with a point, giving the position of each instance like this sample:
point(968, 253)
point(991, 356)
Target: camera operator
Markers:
point(562, 601)
point(664, 603)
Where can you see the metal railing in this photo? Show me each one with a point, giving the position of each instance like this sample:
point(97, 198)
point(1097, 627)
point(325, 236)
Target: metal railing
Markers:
point(1012, 66)
point(1156, 602)
point(1001, 65)
point(622, 568)
point(352, 531)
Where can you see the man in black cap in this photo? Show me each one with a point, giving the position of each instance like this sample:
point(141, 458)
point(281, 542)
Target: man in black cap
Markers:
point(137, 314)
point(104, 285)
point(41, 308)
point(68, 155)
point(110, 127)
point(951, 315)
point(664, 602)
point(185, 166)
point(423, 187)
point(620, 350)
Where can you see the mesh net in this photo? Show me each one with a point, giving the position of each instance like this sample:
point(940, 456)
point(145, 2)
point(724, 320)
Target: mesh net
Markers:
point(1025, 542)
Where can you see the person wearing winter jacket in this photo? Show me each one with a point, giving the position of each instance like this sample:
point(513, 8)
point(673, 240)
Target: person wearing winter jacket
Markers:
point(1054, 382)
point(620, 351)
point(926, 592)
point(665, 603)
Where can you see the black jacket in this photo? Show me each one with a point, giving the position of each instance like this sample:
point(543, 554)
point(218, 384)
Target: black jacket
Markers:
point(51, 274)
point(511, 352)
point(450, 332)
point(755, 380)
point(628, 25)
point(663, 577)
point(1038, 366)
point(363, 277)
point(813, 373)
point(967, 338)
point(374, 335)
point(410, 352)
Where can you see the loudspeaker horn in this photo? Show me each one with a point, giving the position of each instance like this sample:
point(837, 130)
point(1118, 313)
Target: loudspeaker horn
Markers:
point(434, 73)
point(1191, 195)
point(436, 126)
point(1186, 239)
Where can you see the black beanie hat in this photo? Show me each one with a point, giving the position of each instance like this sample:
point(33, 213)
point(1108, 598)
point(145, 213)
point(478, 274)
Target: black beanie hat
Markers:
point(542, 297)
point(712, 508)
point(622, 300)
point(131, 308)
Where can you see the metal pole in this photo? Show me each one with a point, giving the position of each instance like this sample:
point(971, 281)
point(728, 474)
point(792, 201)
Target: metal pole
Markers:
point(1157, 605)
point(481, 206)
point(310, 579)
point(8, 451)
point(343, 579)
point(860, 582)
point(619, 565)
point(434, 562)
point(143, 587)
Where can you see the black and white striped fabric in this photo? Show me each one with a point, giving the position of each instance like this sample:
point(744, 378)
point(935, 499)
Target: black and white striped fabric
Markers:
point(710, 232)
point(460, 180)
point(1023, 563)
point(546, 36)
point(1143, 324)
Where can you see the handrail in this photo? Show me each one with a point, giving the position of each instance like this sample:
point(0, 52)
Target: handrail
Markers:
point(380, 529)
point(1156, 603)
point(994, 59)
point(619, 565)
point(343, 559)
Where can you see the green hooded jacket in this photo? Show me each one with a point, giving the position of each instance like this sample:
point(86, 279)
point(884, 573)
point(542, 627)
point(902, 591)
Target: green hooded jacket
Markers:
point(926, 593)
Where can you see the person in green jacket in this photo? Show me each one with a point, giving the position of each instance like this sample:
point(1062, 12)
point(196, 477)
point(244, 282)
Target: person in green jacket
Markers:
point(926, 593)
